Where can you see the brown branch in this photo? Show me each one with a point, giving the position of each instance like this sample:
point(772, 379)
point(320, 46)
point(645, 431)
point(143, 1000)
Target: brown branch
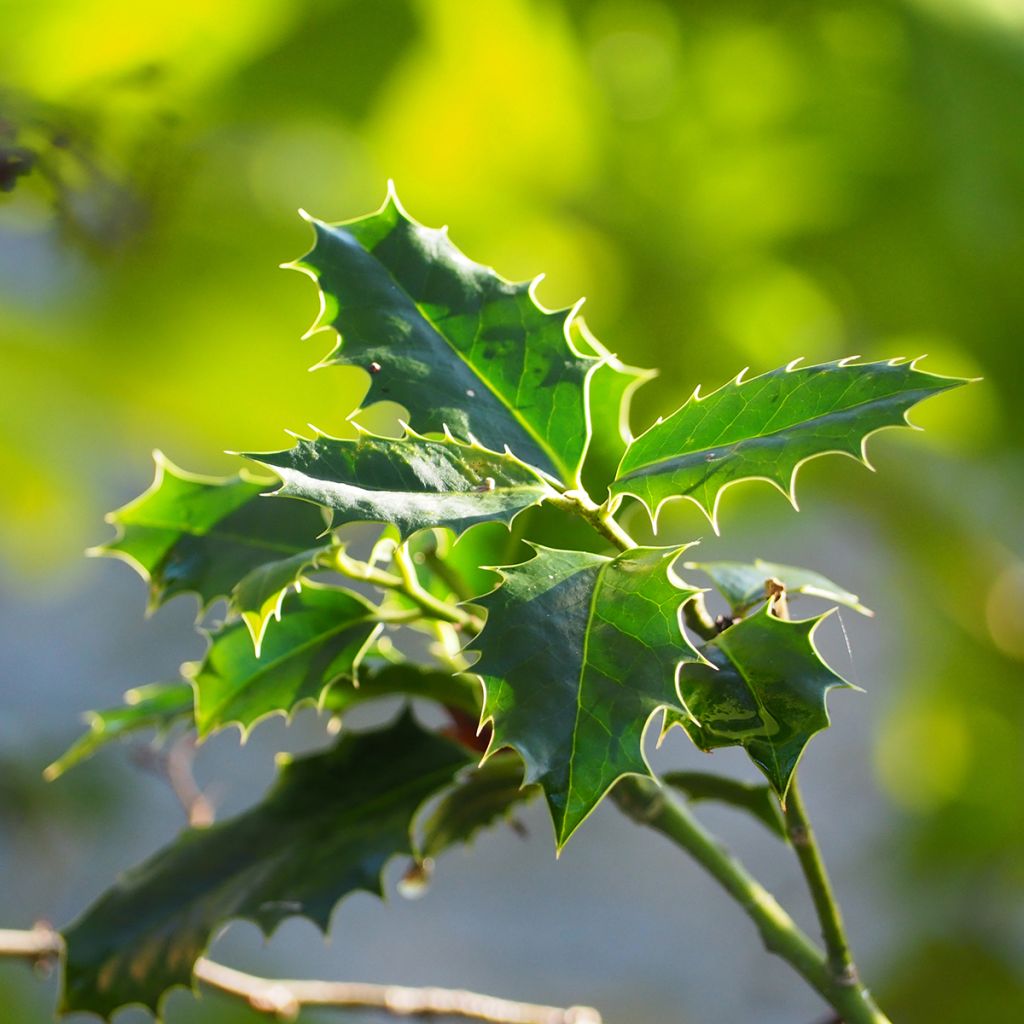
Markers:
point(285, 999)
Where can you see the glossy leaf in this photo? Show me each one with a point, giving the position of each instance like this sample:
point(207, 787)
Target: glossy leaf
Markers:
point(157, 706)
point(480, 797)
point(577, 654)
point(755, 800)
point(198, 534)
point(764, 689)
point(457, 345)
point(767, 427)
point(321, 638)
point(327, 828)
point(742, 584)
point(409, 482)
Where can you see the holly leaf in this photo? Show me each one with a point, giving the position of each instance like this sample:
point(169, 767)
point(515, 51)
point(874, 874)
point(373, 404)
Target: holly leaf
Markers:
point(320, 640)
point(199, 534)
point(763, 687)
point(767, 427)
point(451, 340)
point(459, 690)
point(157, 706)
point(755, 800)
point(578, 652)
point(481, 796)
point(742, 584)
point(258, 597)
point(411, 482)
point(327, 829)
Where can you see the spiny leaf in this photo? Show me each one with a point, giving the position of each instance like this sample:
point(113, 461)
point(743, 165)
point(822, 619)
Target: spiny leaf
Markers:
point(190, 533)
point(482, 795)
point(328, 828)
point(456, 344)
point(258, 596)
point(742, 584)
point(157, 706)
point(765, 428)
point(459, 690)
point(755, 800)
point(321, 638)
point(763, 688)
point(410, 482)
point(578, 653)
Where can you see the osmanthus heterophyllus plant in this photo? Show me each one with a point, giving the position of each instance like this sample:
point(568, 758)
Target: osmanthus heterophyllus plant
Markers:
point(563, 659)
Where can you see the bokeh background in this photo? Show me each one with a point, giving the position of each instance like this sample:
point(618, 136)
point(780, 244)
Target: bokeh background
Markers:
point(730, 184)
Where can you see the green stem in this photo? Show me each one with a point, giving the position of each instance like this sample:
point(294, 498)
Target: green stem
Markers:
point(647, 803)
point(801, 835)
point(407, 584)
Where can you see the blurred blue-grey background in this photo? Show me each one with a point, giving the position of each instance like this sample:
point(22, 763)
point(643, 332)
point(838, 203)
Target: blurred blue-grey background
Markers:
point(730, 184)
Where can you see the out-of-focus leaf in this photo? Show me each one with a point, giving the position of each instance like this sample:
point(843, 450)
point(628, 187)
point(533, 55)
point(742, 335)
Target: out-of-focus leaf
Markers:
point(763, 688)
point(328, 828)
point(156, 706)
point(755, 800)
point(457, 345)
point(578, 652)
point(765, 428)
point(410, 482)
point(481, 796)
point(204, 534)
point(323, 634)
point(742, 584)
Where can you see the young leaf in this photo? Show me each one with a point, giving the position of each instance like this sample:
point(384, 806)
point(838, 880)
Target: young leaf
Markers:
point(765, 428)
point(764, 690)
point(411, 482)
point(579, 651)
point(449, 339)
point(156, 706)
point(258, 596)
point(203, 534)
point(320, 639)
point(755, 800)
point(326, 829)
point(481, 796)
point(742, 584)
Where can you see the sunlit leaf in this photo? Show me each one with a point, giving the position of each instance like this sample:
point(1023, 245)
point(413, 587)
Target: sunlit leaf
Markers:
point(457, 345)
point(767, 427)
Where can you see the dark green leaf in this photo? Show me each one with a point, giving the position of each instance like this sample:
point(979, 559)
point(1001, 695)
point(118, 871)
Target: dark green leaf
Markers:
point(327, 829)
point(321, 638)
point(756, 800)
point(460, 690)
point(483, 795)
point(156, 706)
point(449, 339)
point(411, 482)
point(764, 690)
point(578, 653)
point(742, 584)
point(767, 427)
point(198, 534)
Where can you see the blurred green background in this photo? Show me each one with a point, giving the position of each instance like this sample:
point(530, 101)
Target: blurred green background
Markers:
point(729, 184)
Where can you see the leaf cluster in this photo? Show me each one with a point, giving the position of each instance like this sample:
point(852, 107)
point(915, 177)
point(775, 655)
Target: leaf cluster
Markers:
point(550, 670)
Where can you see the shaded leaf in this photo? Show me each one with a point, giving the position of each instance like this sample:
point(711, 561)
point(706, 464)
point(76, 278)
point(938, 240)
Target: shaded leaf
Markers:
point(578, 652)
point(763, 688)
point(190, 533)
point(481, 796)
point(457, 345)
point(756, 800)
point(410, 482)
point(767, 427)
point(742, 584)
point(157, 706)
point(459, 690)
point(327, 828)
point(321, 638)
